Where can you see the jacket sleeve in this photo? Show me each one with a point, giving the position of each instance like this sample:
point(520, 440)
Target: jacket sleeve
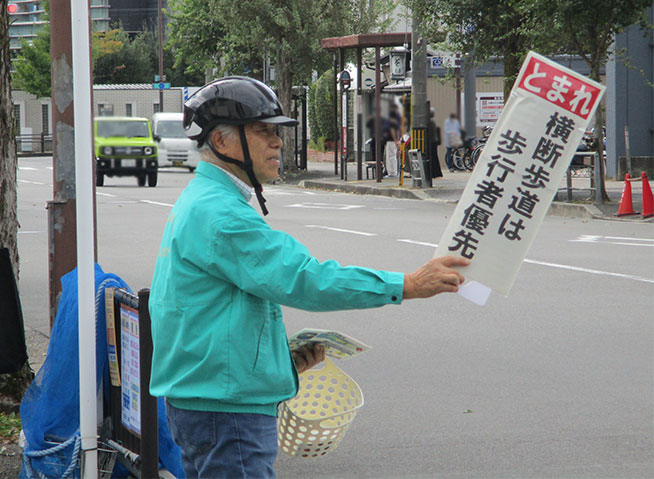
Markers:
point(273, 265)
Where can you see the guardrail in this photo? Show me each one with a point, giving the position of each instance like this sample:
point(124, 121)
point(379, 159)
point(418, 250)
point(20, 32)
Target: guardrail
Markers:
point(34, 145)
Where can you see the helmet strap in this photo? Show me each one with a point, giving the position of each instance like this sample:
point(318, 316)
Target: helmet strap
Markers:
point(245, 165)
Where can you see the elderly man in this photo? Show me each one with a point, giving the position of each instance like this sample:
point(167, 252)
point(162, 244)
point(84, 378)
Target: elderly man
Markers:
point(221, 356)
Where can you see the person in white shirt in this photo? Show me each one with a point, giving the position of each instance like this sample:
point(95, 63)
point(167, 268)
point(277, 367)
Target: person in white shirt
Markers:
point(452, 129)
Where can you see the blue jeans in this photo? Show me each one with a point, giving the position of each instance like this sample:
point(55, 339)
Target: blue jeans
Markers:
point(218, 445)
point(448, 158)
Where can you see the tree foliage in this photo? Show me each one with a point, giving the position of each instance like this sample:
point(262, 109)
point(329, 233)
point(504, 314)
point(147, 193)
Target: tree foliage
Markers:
point(117, 58)
point(321, 107)
point(235, 37)
point(33, 65)
point(504, 28)
point(588, 30)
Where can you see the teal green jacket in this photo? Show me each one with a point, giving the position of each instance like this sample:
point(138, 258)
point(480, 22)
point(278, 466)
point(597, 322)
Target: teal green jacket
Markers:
point(221, 275)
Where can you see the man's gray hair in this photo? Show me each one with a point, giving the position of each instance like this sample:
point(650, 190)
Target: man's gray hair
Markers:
point(225, 130)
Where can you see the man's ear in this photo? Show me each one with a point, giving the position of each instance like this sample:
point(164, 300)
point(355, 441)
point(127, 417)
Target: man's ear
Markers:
point(217, 139)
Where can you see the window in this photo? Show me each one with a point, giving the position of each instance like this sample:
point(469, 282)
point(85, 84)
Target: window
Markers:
point(45, 118)
point(128, 109)
point(17, 118)
point(105, 109)
point(156, 108)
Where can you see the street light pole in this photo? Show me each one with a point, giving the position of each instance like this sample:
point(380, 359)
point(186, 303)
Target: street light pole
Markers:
point(160, 38)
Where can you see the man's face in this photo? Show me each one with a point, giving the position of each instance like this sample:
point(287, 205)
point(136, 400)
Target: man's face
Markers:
point(265, 148)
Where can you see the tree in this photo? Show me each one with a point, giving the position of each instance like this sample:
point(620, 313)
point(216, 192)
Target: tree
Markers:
point(504, 28)
point(227, 36)
point(321, 107)
point(588, 29)
point(136, 60)
point(33, 64)
point(11, 385)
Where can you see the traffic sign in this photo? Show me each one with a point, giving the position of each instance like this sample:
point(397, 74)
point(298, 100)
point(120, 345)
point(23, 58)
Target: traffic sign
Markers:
point(436, 62)
point(161, 86)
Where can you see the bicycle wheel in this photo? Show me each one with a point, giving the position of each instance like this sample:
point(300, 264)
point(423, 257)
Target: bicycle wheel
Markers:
point(457, 158)
point(474, 156)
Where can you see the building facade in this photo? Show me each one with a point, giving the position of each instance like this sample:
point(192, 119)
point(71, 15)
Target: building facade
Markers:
point(27, 17)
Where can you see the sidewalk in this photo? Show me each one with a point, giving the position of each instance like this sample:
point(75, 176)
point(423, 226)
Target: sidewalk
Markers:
point(448, 189)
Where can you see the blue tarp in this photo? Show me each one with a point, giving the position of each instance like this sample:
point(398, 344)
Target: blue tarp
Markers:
point(50, 409)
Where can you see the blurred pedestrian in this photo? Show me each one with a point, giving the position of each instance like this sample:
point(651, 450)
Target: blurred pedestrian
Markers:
point(370, 124)
point(452, 132)
point(393, 137)
point(434, 137)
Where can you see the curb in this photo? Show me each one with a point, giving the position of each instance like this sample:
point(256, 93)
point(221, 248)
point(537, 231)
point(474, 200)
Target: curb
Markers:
point(363, 190)
point(561, 209)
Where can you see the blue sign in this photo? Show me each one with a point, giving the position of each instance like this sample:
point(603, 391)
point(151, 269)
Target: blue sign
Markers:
point(436, 62)
point(161, 86)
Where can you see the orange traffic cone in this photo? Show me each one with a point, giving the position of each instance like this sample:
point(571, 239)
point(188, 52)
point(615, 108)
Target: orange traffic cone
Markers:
point(626, 203)
point(648, 199)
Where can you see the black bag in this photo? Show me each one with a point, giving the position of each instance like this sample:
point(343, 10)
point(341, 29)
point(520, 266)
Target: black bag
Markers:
point(13, 351)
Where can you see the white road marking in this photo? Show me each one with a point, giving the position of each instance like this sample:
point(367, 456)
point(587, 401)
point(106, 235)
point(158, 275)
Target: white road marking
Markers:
point(324, 206)
point(433, 245)
point(605, 240)
point(560, 266)
point(27, 168)
point(362, 233)
point(156, 203)
point(30, 232)
point(591, 271)
point(105, 194)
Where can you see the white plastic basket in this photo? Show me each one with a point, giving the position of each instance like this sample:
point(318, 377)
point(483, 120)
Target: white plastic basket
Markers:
point(314, 422)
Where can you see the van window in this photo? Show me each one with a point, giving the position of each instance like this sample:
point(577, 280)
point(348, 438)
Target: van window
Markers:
point(170, 129)
point(123, 128)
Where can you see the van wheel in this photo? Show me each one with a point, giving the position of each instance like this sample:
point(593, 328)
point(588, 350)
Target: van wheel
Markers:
point(141, 180)
point(99, 179)
point(152, 179)
point(191, 169)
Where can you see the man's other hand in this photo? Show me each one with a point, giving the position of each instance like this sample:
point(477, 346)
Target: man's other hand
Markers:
point(308, 356)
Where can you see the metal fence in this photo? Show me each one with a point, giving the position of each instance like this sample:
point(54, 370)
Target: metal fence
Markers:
point(34, 145)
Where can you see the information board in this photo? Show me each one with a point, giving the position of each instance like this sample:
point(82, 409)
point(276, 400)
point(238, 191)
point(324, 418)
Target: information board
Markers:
point(130, 362)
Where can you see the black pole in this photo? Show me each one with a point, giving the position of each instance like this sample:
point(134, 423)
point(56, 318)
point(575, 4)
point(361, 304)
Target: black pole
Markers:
point(343, 134)
point(378, 152)
point(335, 114)
point(149, 422)
point(303, 157)
point(359, 119)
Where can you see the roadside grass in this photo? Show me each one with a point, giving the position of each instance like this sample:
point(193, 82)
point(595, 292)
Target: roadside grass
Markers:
point(9, 427)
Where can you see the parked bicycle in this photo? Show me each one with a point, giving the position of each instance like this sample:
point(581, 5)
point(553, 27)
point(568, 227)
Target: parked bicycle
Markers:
point(466, 156)
point(478, 148)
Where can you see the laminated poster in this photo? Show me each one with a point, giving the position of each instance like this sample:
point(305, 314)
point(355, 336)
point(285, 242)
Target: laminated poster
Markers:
point(518, 174)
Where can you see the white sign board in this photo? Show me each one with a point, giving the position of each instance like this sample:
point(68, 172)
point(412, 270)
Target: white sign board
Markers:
point(519, 171)
point(489, 108)
point(130, 367)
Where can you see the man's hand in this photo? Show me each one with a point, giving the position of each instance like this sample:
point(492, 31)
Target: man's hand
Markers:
point(308, 356)
point(434, 277)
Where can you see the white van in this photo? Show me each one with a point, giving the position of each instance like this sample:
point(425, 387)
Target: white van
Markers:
point(175, 148)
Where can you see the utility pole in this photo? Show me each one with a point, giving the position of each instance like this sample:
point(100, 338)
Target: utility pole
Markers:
point(470, 99)
point(62, 225)
point(419, 116)
point(160, 37)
